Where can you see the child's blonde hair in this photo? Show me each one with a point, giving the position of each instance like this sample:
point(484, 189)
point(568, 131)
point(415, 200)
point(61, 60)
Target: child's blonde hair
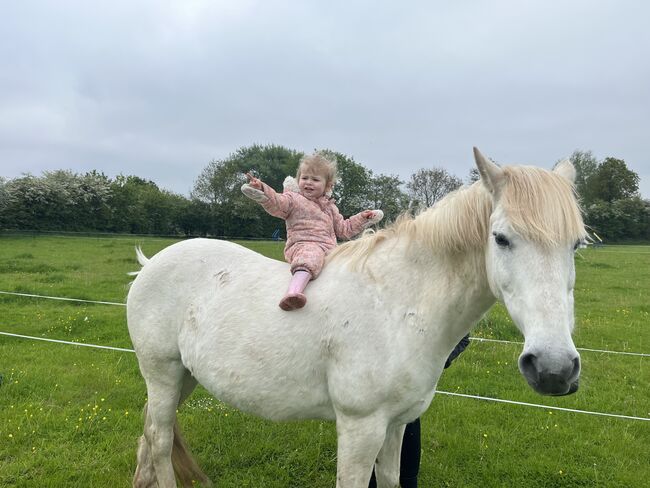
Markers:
point(321, 164)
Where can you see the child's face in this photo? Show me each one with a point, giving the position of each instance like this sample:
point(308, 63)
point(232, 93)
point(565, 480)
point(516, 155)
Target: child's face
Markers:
point(312, 185)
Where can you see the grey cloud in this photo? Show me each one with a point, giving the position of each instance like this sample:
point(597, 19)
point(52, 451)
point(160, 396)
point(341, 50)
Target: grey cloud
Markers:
point(159, 89)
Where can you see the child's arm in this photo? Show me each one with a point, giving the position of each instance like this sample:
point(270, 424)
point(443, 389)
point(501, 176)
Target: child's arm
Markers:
point(276, 204)
point(348, 228)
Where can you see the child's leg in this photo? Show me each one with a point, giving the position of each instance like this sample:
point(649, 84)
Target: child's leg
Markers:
point(306, 264)
point(294, 298)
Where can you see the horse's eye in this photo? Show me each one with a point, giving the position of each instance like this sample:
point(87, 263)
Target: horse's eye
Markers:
point(501, 240)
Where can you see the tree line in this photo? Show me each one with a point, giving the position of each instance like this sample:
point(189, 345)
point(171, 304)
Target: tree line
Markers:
point(92, 202)
point(610, 199)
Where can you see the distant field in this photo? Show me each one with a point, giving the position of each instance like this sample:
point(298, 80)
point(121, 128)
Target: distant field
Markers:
point(71, 416)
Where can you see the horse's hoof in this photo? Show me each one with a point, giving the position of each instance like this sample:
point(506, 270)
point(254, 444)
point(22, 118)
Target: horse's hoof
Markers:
point(293, 301)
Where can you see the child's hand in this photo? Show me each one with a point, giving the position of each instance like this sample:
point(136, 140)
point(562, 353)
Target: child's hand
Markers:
point(372, 217)
point(254, 182)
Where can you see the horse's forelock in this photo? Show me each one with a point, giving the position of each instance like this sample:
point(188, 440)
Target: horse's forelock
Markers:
point(541, 206)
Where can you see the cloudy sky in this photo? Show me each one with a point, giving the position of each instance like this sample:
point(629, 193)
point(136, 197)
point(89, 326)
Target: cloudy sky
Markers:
point(158, 88)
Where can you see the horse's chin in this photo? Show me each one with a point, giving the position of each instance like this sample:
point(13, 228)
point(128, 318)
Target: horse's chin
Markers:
point(556, 389)
point(574, 387)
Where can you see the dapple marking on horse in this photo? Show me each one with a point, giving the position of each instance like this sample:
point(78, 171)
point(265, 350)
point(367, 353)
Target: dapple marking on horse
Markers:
point(369, 348)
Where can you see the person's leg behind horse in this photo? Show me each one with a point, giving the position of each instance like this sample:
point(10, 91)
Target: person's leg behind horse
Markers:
point(410, 457)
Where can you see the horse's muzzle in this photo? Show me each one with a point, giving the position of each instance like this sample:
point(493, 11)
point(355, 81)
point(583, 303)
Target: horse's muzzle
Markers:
point(555, 380)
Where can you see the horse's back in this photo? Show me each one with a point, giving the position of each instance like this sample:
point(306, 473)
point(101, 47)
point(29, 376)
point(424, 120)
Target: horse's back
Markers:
point(181, 276)
point(213, 306)
point(199, 252)
point(193, 260)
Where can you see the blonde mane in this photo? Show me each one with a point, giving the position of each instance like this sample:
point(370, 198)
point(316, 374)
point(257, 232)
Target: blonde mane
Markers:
point(541, 206)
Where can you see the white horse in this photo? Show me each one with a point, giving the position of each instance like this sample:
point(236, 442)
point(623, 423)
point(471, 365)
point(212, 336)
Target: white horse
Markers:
point(369, 347)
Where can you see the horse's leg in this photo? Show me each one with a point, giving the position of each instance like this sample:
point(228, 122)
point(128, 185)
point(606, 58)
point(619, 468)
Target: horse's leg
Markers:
point(359, 441)
point(164, 391)
point(145, 475)
point(388, 460)
point(184, 465)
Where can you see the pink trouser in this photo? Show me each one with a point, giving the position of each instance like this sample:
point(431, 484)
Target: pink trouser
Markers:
point(306, 256)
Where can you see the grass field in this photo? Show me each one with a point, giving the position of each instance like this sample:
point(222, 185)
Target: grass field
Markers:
point(71, 416)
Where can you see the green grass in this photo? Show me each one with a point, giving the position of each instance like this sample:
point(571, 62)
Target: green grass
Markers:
point(71, 416)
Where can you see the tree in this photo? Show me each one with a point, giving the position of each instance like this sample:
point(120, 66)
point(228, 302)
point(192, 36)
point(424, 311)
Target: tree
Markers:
point(473, 176)
point(352, 187)
point(385, 193)
point(91, 197)
point(195, 218)
point(613, 180)
point(62, 200)
point(127, 212)
point(36, 203)
point(427, 186)
point(586, 166)
point(139, 206)
point(4, 200)
point(219, 184)
point(608, 191)
point(221, 179)
point(626, 218)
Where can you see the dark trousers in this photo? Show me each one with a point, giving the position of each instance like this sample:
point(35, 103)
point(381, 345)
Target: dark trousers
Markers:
point(409, 459)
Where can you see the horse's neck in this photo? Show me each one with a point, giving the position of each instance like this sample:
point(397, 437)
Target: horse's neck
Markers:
point(458, 283)
point(449, 292)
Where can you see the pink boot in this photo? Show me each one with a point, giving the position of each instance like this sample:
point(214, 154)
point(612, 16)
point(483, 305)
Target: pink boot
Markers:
point(294, 298)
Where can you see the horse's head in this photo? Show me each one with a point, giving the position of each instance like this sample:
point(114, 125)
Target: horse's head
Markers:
point(535, 227)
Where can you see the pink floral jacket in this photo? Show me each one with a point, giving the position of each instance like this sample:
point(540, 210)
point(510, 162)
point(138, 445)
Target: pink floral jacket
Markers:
point(311, 221)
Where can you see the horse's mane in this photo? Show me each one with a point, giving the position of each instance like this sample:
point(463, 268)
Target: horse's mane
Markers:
point(541, 206)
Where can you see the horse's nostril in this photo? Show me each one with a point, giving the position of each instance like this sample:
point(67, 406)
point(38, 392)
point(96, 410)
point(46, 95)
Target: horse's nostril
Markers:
point(528, 366)
point(576, 368)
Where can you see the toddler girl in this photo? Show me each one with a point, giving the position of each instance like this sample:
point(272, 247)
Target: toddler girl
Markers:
point(312, 219)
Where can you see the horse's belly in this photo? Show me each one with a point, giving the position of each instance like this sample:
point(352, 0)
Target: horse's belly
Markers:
point(274, 371)
point(271, 397)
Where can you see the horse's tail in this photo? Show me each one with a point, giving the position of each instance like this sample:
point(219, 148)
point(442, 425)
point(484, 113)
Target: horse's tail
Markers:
point(186, 469)
point(142, 259)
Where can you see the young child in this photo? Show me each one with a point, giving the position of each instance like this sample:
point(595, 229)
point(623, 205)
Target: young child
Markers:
point(312, 219)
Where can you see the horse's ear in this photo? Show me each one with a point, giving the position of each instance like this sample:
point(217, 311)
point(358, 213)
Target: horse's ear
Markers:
point(491, 174)
point(566, 169)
